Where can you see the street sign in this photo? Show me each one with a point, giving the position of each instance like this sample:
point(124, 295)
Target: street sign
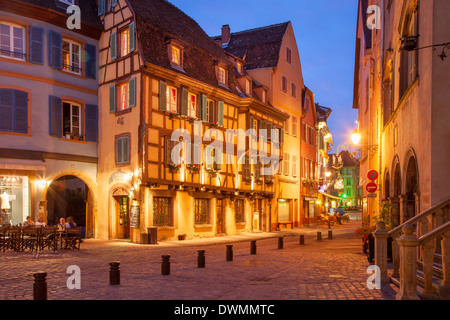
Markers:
point(372, 175)
point(372, 187)
point(372, 195)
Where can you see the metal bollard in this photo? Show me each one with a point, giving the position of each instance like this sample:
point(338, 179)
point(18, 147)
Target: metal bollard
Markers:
point(229, 253)
point(114, 273)
point(302, 239)
point(40, 286)
point(253, 247)
point(330, 235)
point(165, 265)
point(201, 258)
point(319, 236)
point(280, 243)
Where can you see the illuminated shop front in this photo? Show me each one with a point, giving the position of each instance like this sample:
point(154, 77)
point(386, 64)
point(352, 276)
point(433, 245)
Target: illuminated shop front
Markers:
point(14, 199)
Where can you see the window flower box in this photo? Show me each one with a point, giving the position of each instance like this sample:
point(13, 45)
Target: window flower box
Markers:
point(270, 183)
point(174, 168)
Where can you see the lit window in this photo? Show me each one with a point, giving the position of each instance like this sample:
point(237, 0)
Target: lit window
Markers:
point(12, 41)
point(247, 87)
point(222, 75)
point(172, 99)
point(123, 100)
point(176, 55)
point(192, 105)
point(264, 96)
point(240, 67)
point(72, 119)
point(125, 42)
point(71, 57)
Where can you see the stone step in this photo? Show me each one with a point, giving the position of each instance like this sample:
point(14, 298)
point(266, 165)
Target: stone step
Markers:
point(437, 269)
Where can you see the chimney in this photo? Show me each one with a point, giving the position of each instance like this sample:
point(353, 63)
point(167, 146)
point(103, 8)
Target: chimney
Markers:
point(226, 34)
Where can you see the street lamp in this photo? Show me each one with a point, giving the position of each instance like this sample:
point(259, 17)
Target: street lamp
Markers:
point(356, 137)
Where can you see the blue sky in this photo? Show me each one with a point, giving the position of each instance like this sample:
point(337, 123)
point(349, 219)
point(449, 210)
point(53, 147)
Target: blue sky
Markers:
point(325, 33)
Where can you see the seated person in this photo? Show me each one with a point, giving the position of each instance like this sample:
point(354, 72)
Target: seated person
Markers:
point(62, 224)
point(70, 223)
point(28, 222)
point(41, 222)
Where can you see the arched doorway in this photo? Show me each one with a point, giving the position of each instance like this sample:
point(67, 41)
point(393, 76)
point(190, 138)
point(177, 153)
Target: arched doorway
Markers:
point(69, 196)
point(411, 188)
point(397, 191)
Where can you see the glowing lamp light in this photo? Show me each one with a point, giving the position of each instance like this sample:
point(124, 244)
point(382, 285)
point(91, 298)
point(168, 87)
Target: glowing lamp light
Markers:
point(344, 196)
point(327, 174)
point(356, 137)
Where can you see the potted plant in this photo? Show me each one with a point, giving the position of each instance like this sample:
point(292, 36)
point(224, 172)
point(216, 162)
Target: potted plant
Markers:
point(174, 168)
point(247, 180)
point(212, 173)
point(67, 133)
point(194, 168)
point(259, 181)
point(270, 182)
point(213, 124)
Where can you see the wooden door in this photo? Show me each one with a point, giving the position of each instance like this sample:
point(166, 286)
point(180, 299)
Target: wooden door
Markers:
point(220, 219)
point(123, 217)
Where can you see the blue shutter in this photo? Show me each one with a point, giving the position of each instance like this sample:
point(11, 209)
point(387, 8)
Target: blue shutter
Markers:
point(91, 61)
point(132, 30)
point(55, 116)
point(204, 106)
point(6, 110)
point(113, 45)
point(91, 123)
point(54, 50)
point(20, 112)
point(132, 93)
point(220, 109)
point(101, 7)
point(162, 96)
point(36, 45)
point(112, 99)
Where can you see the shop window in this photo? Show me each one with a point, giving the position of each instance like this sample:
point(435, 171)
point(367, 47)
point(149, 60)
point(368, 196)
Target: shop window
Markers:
point(162, 212)
point(14, 199)
point(201, 211)
point(239, 211)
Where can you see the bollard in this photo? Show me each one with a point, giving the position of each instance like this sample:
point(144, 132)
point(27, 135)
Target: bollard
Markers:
point(165, 265)
point(40, 286)
point(330, 235)
point(201, 258)
point(319, 236)
point(229, 253)
point(253, 247)
point(280, 243)
point(114, 273)
point(302, 239)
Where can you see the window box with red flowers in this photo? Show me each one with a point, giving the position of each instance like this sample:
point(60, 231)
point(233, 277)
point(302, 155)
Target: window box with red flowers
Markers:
point(247, 180)
point(173, 168)
point(194, 168)
point(270, 183)
point(213, 124)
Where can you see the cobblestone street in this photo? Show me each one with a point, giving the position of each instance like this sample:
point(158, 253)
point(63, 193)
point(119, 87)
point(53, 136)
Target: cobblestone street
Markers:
point(319, 270)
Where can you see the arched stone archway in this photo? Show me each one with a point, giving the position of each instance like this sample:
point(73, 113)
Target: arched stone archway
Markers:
point(397, 189)
point(411, 188)
point(71, 193)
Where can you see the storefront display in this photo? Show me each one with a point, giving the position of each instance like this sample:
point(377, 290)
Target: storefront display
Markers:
point(14, 199)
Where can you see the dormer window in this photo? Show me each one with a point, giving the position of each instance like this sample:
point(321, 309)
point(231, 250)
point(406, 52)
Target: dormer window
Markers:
point(264, 96)
point(176, 55)
point(240, 67)
point(247, 87)
point(222, 75)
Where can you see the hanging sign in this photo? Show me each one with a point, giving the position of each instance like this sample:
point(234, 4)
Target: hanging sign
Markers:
point(135, 217)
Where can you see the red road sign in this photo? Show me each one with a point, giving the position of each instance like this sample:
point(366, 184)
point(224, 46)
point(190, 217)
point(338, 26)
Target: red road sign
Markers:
point(372, 175)
point(372, 187)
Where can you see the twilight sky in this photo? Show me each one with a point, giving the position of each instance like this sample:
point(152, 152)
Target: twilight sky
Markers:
point(325, 33)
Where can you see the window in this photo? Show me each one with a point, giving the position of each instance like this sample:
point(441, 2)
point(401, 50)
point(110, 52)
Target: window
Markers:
point(294, 126)
point(284, 84)
point(239, 211)
point(201, 211)
point(222, 76)
point(294, 165)
point(69, 2)
point(124, 42)
point(72, 119)
point(13, 111)
point(286, 127)
point(123, 97)
point(240, 67)
point(162, 212)
point(12, 41)
point(286, 164)
point(288, 55)
point(176, 55)
point(71, 56)
point(264, 96)
point(294, 90)
point(123, 150)
point(247, 87)
point(192, 109)
point(172, 98)
point(211, 111)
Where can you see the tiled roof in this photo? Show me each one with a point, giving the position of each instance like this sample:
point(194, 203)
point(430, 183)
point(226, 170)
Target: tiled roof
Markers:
point(89, 11)
point(158, 21)
point(259, 47)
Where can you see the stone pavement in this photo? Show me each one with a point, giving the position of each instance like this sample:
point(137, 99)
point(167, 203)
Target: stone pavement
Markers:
point(319, 270)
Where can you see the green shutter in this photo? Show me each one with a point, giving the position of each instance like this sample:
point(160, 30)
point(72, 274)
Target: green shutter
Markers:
point(162, 96)
point(220, 109)
point(132, 29)
point(113, 45)
point(112, 99)
point(184, 101)
point(204, 106)
point(132, 93)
